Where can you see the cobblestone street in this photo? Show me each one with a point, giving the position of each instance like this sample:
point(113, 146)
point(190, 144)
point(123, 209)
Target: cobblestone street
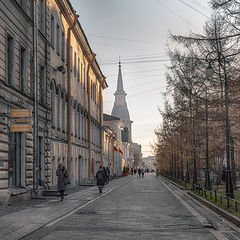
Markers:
point(141, 208)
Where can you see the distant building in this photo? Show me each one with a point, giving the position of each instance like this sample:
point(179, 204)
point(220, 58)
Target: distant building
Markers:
point(148, 162)
point(137, 155)
point(120, 110)
point(117, 160)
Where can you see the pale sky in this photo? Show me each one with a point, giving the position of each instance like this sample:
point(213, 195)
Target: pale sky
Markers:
point(137, 31)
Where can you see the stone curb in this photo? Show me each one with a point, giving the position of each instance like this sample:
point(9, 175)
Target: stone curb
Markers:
point(175, 184)
point(217, 209)
point(220, 211)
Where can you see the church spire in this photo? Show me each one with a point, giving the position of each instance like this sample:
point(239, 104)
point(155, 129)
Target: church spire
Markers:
point(120, 81)
point(120, 108)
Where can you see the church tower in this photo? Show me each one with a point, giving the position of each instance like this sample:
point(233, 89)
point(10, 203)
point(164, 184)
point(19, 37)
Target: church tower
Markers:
point(120, 110)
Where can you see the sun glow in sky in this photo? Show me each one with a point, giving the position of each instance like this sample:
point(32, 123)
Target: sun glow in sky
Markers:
point(137, 31)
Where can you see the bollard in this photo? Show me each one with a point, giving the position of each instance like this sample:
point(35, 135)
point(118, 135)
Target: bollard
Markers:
point(228, 205)
point(221, 199)
point(215, 193)
point(205, 194)
point(211, 195)
point(236, 206)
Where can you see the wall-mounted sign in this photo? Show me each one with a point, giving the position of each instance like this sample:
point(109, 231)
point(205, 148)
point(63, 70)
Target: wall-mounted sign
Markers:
point(20, 120)
point(20, 113)
point(25, 127)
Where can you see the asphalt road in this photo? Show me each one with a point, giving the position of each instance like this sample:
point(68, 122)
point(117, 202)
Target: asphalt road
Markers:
point(143, 208)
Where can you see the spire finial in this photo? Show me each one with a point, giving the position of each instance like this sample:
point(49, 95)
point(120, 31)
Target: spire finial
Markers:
point(119, 62)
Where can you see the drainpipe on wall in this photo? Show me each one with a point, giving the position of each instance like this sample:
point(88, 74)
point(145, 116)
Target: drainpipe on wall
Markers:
point(90, 62)
point(109, 138)
point(100, 120)
point(35, 128)
point(113, 167)
point(69, 146)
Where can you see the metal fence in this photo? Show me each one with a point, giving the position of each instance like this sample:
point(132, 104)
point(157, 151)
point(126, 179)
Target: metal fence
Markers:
point(215, 196)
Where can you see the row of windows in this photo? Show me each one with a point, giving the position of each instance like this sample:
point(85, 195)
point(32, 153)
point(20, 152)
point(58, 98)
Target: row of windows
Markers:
point(78, 68)
point(12, 67)
point(26, 5)
point(78, 117)
point(59, 35)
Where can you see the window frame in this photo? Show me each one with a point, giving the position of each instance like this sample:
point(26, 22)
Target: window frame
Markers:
point(10, 75)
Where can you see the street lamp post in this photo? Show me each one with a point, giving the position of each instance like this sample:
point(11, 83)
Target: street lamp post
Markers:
point(207, 177)
point(209, 71)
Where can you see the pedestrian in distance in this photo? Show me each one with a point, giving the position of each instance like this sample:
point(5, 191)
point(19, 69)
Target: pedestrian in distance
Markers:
point(108, 175)
point(62, 179)
point(100, 179)
point(139, 172)
point(105, 175)
point(142, 173)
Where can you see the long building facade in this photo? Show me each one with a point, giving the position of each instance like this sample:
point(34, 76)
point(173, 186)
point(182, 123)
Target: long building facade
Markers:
point(69, 98)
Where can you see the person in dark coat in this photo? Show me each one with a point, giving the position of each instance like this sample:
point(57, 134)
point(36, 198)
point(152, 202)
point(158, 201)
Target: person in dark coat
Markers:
point(105, 175)
point(100, 179)
point(108, 175)
point(139, 172)
point(62, 175)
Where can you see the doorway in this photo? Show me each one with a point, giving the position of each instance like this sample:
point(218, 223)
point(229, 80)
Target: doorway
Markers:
point(16, 160)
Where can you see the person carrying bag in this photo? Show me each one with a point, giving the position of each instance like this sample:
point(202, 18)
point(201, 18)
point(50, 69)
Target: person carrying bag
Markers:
point(63, 179)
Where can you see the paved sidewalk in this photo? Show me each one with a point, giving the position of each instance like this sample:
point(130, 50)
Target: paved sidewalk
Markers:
point(21, 220)
point(23, 204)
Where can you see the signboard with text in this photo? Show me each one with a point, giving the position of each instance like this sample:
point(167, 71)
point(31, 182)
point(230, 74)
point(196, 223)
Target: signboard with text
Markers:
point(20, 120)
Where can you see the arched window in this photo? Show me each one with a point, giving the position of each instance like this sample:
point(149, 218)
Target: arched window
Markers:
point(71, 116)
point(84, 74)
point(53, 103)
point(79, 122)
point(85, 126)
point(58, 106)
point(82, 120)
point(63, 109)
point(75, 118)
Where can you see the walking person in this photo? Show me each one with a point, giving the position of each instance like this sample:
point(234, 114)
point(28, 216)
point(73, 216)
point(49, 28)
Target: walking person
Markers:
point(142, 173)
point(139, 172)
point(105, 175)
point(62, 179)
point(108, 175)
point(100, 179)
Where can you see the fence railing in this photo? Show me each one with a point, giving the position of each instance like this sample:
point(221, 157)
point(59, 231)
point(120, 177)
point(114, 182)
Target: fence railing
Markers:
point(215, 196)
